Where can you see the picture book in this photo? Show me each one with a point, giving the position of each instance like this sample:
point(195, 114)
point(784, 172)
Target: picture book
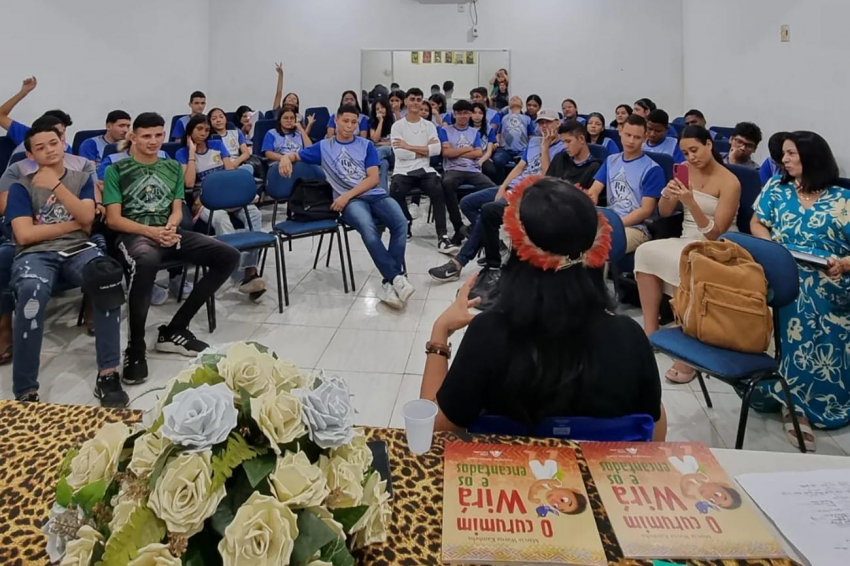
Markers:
point(673, 500)
point(505, 504)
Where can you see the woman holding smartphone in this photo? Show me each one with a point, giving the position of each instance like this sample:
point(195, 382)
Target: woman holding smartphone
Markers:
point(710, 194)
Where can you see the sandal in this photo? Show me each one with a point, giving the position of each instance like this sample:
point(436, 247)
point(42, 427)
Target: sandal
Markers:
point(6, 356)
point(805, 429)
point(681, 377)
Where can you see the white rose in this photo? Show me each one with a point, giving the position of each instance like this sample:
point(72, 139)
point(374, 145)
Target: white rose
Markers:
point(279, 417)
point(328, 413)
point(79, 551)
point(122, 508)
point(146, 451)
point(356, 452)
point(297, 482)
point(200, 417)
point(372, 526)
point(287, 376)
point(155, 554)
point(345, 481)
point(57, 532)
point(98, 457)
point(245, 366)
point(182, 496)
point(262, 533)
point(151, 415)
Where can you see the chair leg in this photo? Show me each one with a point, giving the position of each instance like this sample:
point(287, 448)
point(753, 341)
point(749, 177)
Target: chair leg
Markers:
point(82, 314)
point(704, 390)
point(263, 261)
point(330, 251)
point(318, 249)
point(183, 283)
point(283, 271)
point(341, 260)
point(348, 254)
point(277, 254)
point(745, 411)
point(789, 403)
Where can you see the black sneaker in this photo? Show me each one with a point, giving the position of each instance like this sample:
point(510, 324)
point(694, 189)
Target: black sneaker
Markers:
point(465, 230)
point(446, 246)
point(31, 397)
point(135, 367)
point(457, 238)
point(179, 342)
point(108, 390)
point(446, 272)
point(409, 231)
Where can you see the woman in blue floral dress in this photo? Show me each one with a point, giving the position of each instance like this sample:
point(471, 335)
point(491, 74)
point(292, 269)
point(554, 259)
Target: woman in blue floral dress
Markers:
point(805, 211)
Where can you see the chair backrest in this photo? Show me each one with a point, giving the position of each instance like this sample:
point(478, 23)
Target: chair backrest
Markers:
point(228, 189)
point(321, 115)
point(680, 121)
point(231, 116)
point(614, 134)
point(722, 146)
point(842, 182)
point(722, 131)
point(679, 127)
point(171, 148)
point(269, 114)
point(261, 127)
point(280, 188)
point(82, 136)
point(665, 161)
point(780, 268)
point(174, 120)
point(7, 146)
point(750, 189)
point(631, 428)
point(20, 156)
point(600, 152)
point(583, 116)
point(109, 150)
point(618, 234)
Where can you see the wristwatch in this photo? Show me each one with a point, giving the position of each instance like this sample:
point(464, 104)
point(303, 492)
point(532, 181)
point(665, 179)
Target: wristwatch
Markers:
point(444, 350)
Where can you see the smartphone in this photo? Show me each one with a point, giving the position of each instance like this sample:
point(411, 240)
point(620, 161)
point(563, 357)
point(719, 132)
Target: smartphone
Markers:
point(74, 250)
point(682, 173)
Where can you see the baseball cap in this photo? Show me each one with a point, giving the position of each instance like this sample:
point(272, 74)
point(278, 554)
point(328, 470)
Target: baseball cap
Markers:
point(102, 283)
point(547, 114)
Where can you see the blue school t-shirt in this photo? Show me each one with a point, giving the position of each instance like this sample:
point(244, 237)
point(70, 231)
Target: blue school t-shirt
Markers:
point(611, 146)
point(670, 146)
point(92, 148)
point(532, 157)
point(119, 156)
point(467, 137)
point(344, 163)
point(517, 129)
point(286, 143)
point(363, 125)
point(180, 127)
point(768, 169)
point(628, 182)
point(206, 163)
point(17, 132)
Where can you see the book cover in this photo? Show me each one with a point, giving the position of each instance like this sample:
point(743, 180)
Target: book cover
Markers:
point(673, 500)
point(506, 504)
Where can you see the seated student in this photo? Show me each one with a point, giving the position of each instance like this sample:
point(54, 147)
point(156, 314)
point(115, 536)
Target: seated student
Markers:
point(197, 105)
point(485, 227)
point(597, 134)
point(569, 109)
point(488, 140)
point(517, 128)
point(643, 106)
point(349, 98)
point(657, 140)
point(479, 95)
point(117, 126)
point(243, 122)
point(394, 86)
point(380, 125)
point(144, 205)
point(694, 117)
point(533, 104)
point(351, 166)
point(711, 204)
point(773, 164)
point(448, 92)
point(288, 135)
point(576, 165)
point(291, 99)
point(545, 349)
point(17, 131)
point(621, 113)
point(435, 89)
point(233, 140)
point(50, 211)
point(439, 110)
point(744, 142)
point(632, 183)
point(397, 105)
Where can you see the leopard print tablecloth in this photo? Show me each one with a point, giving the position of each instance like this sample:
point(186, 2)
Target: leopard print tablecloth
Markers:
point(34, 438)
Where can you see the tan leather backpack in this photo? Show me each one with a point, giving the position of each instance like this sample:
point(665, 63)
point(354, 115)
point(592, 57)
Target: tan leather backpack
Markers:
point(722, 297)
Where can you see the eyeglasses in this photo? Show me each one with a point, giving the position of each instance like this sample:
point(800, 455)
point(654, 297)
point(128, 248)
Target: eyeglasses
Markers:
point(742, 143)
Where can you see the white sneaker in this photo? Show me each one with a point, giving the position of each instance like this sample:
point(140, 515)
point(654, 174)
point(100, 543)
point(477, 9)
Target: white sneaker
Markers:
point(446, 246)
point(403, 288)
point(388, 296)
point(413, 209)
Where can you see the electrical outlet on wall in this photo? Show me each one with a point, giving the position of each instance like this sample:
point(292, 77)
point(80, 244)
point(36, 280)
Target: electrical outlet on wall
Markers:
point(785, 33)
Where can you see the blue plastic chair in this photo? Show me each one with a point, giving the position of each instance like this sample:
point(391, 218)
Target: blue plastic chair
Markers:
point(7, 146)
point(665, 161)
point(261, 127)
point(231, 117)
point(614, 134)
point(618, 234)
point(631, 428)
point(750, 189)
point(843, 182)
point(171, 148)
point(722, 131)
point(722, 146)
point(679, 127)
point(739, 369)
point(20, 156)
point(600, 152)
point(322, 116)
point(280, 189)
point(269, 114)
point(82, 136)
point(174, 120)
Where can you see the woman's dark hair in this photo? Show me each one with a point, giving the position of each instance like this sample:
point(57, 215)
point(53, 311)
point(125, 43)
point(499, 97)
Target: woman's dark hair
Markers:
point(398, 94)
point(774, 146)
point(703, 136)
point(241, 112)
point(63, 117)
point(820, 170)
point(549, 311)
point(628, 111)
point(441, 102)
point(603, 134)
point(223, 113)
point(484, 128)
point(193, 123)
point(286, 108)
point(356, 100)
point(388, 118)
point(297, 102)
point(535, 98)
point(365, 98)
point(427, 107)
point(646, 104)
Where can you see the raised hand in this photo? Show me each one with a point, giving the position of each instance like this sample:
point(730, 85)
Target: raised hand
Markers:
point(29, 85)
point(279, 68)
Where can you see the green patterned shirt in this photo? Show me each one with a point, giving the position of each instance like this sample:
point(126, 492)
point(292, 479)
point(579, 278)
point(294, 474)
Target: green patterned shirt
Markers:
point(144, 191)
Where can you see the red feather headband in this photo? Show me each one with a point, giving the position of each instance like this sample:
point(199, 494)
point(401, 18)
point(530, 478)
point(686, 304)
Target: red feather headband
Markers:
point(528, 251)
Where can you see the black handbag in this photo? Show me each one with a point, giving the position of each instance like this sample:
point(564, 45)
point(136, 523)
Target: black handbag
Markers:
point(311, 200)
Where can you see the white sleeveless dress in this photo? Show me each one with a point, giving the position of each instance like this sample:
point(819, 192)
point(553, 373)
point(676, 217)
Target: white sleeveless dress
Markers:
point(661, 257)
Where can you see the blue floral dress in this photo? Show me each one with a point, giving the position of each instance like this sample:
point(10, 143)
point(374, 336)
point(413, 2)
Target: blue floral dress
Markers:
point(815, 329)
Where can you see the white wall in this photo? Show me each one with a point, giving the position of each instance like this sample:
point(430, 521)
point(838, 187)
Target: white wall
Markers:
point(557, 46)
point(93, 56)
point(737, 69)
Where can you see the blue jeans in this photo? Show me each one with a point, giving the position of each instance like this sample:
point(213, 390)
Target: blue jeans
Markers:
point(361, 213)
point(387, 157)
point(471, 205)
point(34, 276)
point(500, 160)
point(7, 256)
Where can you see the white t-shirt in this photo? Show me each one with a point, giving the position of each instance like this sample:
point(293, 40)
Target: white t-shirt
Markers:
point(415, 133)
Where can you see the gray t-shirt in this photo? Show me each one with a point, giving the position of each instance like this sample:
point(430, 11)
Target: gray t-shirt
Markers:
point(25, 167)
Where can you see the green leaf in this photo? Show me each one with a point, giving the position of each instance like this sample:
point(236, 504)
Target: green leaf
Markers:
point(141, 529)
point(160, 464)
point(336, 553)
point(313, 534)
point(245, 402)
point(205, 376)
point(211, 360)
point(235, 453)
point(97, 553)
point(262, 349)
point(348, 516)
point(65, 466)
point(90, 495)
point(224, 514)
point(258, 469)
point(64, 494)
point(203, 549)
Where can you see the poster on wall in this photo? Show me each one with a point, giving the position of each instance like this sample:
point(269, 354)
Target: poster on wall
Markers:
point(414, 57)
point(459, 58)
point(426, 57)
point(449, 57)
point(438, 56)
point(470, 57)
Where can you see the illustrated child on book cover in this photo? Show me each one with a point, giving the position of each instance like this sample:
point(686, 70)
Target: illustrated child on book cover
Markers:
point(695, 484)
point(548, 493)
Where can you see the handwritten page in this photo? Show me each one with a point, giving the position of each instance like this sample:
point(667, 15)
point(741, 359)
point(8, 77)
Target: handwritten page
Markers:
point(811, 509)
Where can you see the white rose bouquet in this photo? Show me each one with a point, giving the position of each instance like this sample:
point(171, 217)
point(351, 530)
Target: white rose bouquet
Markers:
point(243, 461)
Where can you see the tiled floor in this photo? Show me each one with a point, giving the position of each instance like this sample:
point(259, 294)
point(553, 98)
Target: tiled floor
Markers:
point(377, 350)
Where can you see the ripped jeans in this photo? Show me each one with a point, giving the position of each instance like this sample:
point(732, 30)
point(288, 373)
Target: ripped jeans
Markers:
point(34, 276)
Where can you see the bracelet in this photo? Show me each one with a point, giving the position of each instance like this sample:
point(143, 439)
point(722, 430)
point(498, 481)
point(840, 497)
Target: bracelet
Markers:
point(56, 186)
point(708, 228)
point(193, 159)
point(444, 350)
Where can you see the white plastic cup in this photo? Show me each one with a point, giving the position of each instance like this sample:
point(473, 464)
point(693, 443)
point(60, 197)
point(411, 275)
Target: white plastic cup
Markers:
point(419, 417)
